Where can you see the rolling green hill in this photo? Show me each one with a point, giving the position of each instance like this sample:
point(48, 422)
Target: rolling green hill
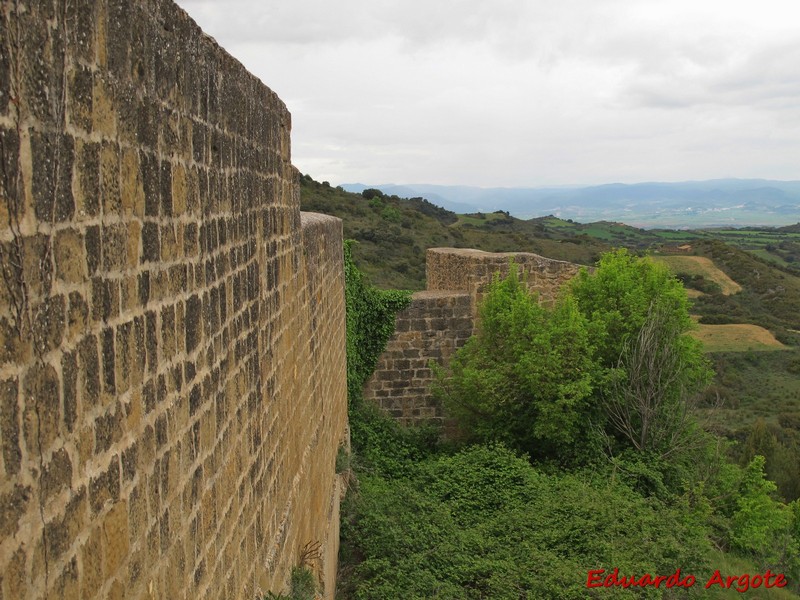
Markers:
point(393, 233)
point(413, 492)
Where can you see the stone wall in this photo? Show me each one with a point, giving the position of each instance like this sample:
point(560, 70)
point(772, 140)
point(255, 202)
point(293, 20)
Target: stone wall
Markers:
point(172, 370)
point(440, 320)
point(430, 328)
point(473, 270)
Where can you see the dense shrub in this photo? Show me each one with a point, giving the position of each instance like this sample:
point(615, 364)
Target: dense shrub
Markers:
point(425, 521)
point(484, 523)
point(525, 377)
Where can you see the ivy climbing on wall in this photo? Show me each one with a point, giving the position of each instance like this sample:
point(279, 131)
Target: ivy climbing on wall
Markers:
point(370, 323)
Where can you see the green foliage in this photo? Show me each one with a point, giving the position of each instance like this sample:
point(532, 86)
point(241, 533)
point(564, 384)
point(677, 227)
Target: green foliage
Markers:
point(770, 298)
point(370, 323)
point(344, 460)
point(761, 526)
point(651, 370)
point(781, 456)
point(525, 377)
point(485, 524)
point(535, 378)
point(699, 282)
point(303, 586)
point(617, 297)
point(371, 193)
point(382, 447)
point(391, 214)
point(760, 395)
point(661, 371)
point(391, 250)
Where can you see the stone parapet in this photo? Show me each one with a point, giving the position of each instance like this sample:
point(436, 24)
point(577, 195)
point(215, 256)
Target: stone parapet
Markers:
point(473, 271)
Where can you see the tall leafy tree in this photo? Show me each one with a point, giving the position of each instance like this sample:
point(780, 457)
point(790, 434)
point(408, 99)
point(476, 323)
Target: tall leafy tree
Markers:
point(525, 377)
point(659, 376)
point(652, 370)
point(614, 352)
point(618, 296)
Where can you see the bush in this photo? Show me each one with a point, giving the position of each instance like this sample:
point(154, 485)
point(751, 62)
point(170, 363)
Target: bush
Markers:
point(484, 523)
point(371, 193)
point(525, 377)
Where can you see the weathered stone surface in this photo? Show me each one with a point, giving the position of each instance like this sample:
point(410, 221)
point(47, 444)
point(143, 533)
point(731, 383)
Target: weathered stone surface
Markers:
point(430, 329)
point(473, 270)
point(173, 394)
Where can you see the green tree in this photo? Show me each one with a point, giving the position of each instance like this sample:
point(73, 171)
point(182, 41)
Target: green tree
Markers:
point(613, 353)
point(660, 374)
point(651, 370)
point(762, 526)
point(371, 193)
point(781, 458)
point(525, 377)
point(618, 296)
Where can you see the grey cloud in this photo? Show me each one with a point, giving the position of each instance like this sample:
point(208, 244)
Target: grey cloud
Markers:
point(767, 77)
point(504, 92)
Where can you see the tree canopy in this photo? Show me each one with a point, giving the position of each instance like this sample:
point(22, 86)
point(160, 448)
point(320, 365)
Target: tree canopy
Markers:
point(613, 356)
point(525, 377)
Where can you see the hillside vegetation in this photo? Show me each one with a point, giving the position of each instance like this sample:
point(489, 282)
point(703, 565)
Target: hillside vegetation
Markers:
point(394, 232)
point(392, 235)
point(701, 267)
point(736, 337)
point(523, 507)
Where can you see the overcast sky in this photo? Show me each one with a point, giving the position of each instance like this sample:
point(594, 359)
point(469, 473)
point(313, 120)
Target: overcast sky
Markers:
point(526, 92)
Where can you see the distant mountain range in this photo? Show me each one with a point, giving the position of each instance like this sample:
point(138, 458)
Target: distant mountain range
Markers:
point(689, 204)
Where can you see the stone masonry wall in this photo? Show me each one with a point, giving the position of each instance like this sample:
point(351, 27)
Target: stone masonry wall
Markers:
point(440, 320)
point(172, 370)
point(473, 271)
point(430, 328)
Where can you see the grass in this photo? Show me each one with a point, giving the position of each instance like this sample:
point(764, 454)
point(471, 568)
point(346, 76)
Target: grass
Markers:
point(700, 265)
point(753, 385)
point(478, 219)
point(770, 295)
point(736, 338)
point(772, 257)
